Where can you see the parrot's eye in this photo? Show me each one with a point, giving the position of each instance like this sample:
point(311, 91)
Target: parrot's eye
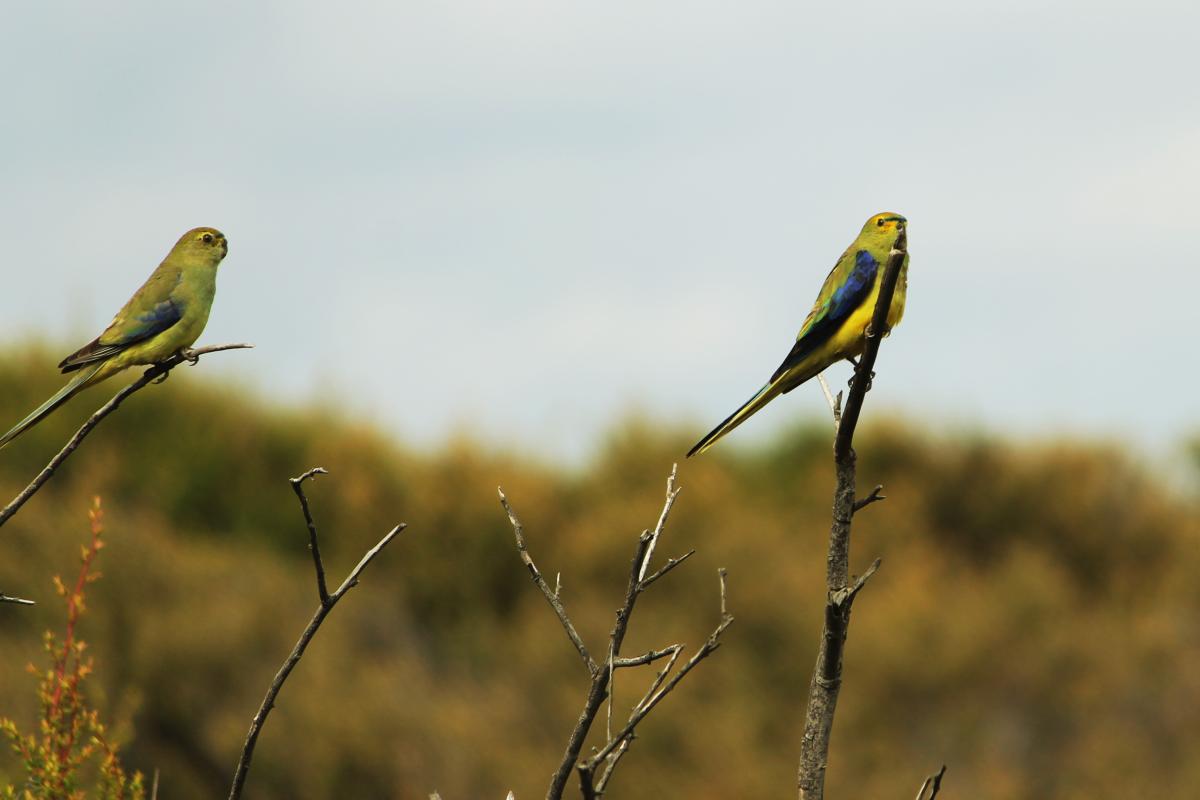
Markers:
point(880, 223)
point(208, 237)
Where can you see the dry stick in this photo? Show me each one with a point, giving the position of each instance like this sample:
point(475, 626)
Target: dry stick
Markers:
point(4, 598)
point(551, 597)
point(873, 497)
point(314, 548)
point(327, 604)
point(835, 403)
point(159, 370)
point(653, 697)
point(672, 493)
point(598, 691)
point(827, 675)
point(601, 674)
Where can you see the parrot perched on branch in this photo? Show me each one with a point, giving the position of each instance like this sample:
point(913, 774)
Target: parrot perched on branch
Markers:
point(162, 318)
point(836, 326)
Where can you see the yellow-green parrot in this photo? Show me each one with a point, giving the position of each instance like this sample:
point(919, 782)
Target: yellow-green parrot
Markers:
point(163, 317)
point(835, 328)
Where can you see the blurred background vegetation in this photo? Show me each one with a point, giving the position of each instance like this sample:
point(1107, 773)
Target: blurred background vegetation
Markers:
point(1034, 624)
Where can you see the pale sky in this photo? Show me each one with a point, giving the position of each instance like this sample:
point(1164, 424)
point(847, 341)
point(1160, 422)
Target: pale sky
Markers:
point(522, 219)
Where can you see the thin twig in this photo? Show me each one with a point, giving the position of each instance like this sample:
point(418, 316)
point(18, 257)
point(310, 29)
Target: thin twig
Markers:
point(4, 598)
point(239, 776)
point(643, 708)
point(671, 564)
point(551, 597)
point(835, 403)
point(873, 497)
point(646, 658)
point(827, 674)
point(934, 783)
point(600, 679)
point(614, 757)
point(159, 370)
point(672, 493)
point(298, 488)
point(843, 597)
point(601, 687)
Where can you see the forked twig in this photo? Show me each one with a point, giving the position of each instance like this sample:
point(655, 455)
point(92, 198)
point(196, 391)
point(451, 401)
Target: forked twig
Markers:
point(328, 601)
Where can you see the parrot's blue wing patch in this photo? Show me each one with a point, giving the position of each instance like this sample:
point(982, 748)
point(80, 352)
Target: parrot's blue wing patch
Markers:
point(151, 323)
point(846, 298)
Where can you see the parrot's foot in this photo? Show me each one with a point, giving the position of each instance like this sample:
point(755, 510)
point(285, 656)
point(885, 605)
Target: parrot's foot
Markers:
point(870, 379)
point(189, 355)
point(161, 378)
point(852, 361)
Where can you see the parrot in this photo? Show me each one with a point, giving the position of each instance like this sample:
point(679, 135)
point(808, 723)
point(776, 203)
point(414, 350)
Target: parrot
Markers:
point(165, 316)
point(835, 328)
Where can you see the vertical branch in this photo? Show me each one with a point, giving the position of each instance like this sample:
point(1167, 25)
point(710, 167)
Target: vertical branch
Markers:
point(600, 687)
point(328, 601)
point(827, 674)
point(313, 546)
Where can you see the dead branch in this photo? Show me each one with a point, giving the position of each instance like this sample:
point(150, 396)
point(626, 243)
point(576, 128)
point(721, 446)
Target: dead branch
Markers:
point(155, 373)
point(649, 701)
point(827, 675)
point(328, 601)
point(602, 674)
point(4, 598)
point(873, 497)
point(551, 597)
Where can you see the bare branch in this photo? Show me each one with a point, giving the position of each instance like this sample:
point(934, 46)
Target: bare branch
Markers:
point(156, 372)
point(646, 658)
point(671, 564)
point(298, 488)
point(842, 598)
point(672, 493)
point(602, 674)
point(615, 756)
point(587, 769)
point(835, 403)
point(601, 685)
point(4, 598)
point(932, 784)
point(873, 497)
point(326, 606)
point(827, 675)
point(551, 597)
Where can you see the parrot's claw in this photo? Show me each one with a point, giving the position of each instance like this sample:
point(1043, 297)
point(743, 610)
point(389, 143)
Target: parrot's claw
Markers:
point(161, 378)
point(189, 355)
point(870, 380)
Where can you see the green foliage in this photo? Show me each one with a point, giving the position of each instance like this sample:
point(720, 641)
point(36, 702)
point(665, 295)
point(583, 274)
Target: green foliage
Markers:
point(70, 738)
point(1033, 624)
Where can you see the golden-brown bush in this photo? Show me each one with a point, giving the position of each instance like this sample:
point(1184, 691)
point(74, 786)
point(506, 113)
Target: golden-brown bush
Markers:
point(1033, 624)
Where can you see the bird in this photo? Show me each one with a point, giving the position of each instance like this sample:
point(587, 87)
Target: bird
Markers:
point(835, 328)
point(164, 317)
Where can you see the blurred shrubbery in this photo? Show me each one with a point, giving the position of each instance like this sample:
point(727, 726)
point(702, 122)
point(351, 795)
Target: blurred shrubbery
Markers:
point(1034, 624)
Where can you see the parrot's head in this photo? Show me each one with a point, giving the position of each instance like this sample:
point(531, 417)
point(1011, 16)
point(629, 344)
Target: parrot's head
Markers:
point(884, 229)
point(202, 245)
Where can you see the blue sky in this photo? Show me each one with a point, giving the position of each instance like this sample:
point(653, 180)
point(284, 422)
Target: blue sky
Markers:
point(520, 220)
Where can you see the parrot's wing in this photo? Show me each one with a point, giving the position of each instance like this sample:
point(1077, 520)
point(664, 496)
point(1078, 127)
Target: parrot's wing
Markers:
point(148, 313)
point(844, 290)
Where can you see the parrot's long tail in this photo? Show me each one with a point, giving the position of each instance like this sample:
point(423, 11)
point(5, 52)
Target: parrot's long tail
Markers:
point(80, 381)
point(765, 395)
